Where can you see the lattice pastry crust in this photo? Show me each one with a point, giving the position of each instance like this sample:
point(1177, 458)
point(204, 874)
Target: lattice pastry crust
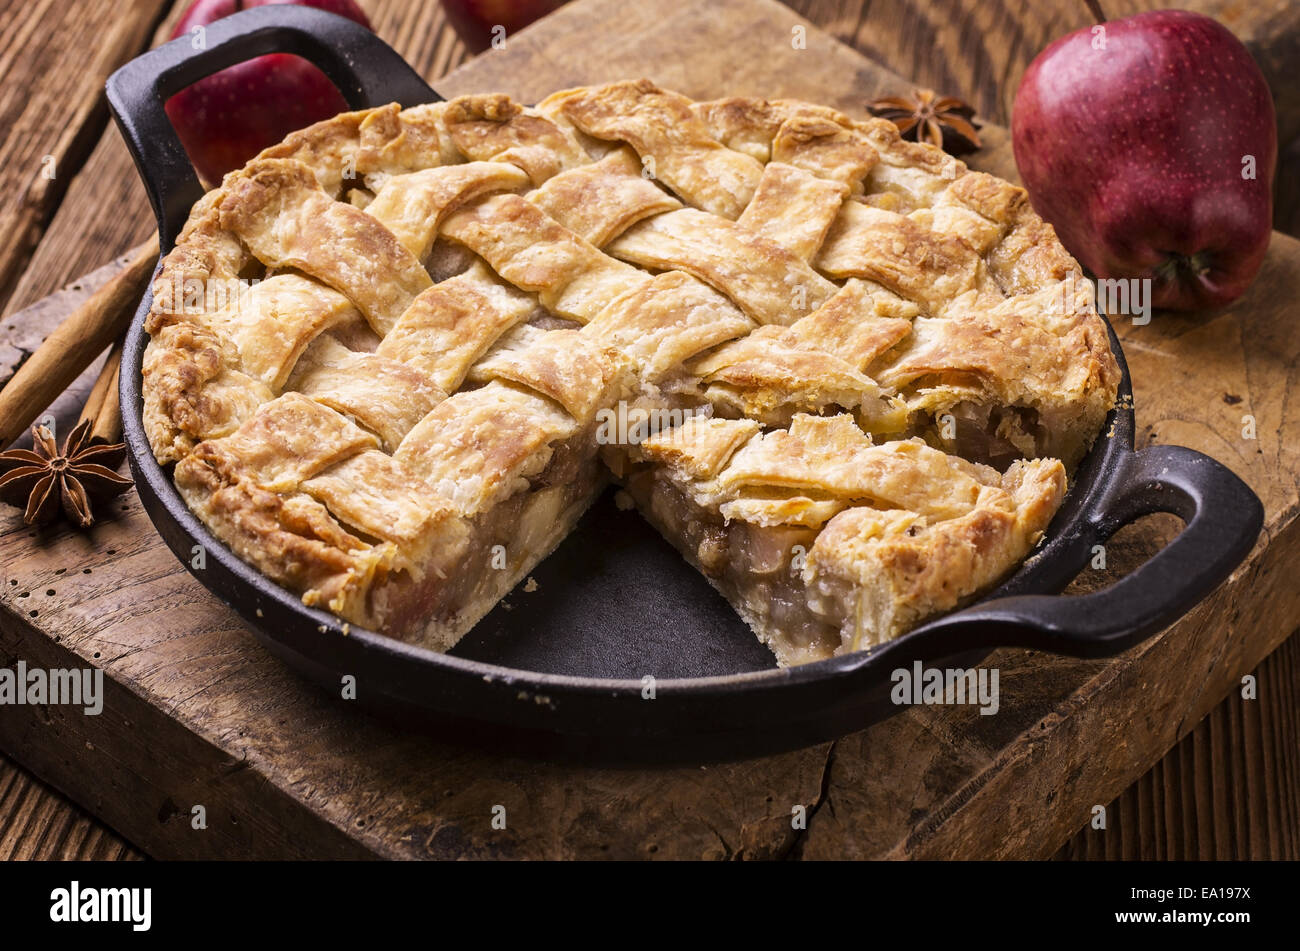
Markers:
point(385, 356)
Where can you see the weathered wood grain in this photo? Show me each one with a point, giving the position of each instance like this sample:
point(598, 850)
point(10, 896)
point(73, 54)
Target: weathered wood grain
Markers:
point(36, 823)
point(50, 126)
point(1227, 791)
point(199, 714)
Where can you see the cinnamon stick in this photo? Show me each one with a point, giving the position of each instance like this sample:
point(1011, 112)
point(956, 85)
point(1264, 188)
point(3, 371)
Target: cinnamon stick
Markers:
point(74, 344)
point(108, 424)
point(103, 406)
point(97, 392)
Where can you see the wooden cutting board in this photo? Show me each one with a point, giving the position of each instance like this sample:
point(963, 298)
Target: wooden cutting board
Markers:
point(198, 714)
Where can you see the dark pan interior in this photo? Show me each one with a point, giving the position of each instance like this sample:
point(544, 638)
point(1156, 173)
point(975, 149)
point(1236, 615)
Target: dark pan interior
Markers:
point(616, 601)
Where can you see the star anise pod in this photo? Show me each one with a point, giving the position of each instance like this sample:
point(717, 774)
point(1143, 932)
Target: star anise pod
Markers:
point(944, 121)
point(42, 480)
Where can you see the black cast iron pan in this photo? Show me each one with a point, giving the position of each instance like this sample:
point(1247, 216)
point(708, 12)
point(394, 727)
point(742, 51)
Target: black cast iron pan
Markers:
point(565, 669)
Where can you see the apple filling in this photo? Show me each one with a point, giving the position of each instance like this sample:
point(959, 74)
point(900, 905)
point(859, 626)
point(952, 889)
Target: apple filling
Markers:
point(504, 544)
point(991, 434)
point(756, 569)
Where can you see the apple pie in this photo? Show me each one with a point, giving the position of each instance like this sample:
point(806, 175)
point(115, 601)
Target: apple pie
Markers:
point(394, 358)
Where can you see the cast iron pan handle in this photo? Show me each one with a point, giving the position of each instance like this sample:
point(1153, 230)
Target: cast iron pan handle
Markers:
point(1223, 518)
point(367, 71)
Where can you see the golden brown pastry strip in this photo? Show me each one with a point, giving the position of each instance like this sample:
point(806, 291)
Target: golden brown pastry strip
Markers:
point(831, 457)
point(492, 127)
point(393, 141)
point(750, 125)
point(281, 213)
point(287, 440)
point(453, 323)
point(769, 377)
point(412, 206)
point(767, 282)
point(534, 252)
point(385, 396)
point(793, 208)
point(567, 365)
point(664, 322)
point(662, 128)
point(480, 445)
point(794, 510)
point(858, 324)
point(814, 364)
point(330, 149)
point(900, 254)
point(825, 148)
point(600, 201)
point(273, 322)
point(700, 447)
point(375, 494)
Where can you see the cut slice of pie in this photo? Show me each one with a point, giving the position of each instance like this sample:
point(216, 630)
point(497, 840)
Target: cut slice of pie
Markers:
point(827, 542)
point(395, 358)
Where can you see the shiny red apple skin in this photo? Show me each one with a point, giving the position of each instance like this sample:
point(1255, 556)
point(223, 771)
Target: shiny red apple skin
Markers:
point(473, 20)
point(1135, 154)
point(230, 116)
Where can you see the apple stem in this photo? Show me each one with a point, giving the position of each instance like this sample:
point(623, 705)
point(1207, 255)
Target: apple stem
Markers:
point(1094, 7)
point(1176, 266)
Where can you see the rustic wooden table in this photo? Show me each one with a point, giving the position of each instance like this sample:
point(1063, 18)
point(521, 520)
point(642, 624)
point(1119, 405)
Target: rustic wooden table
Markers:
point(1229, 789)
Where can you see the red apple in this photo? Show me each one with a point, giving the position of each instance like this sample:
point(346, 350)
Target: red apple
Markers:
point(1150, 145)
point(475, 20)
point(227, 118)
